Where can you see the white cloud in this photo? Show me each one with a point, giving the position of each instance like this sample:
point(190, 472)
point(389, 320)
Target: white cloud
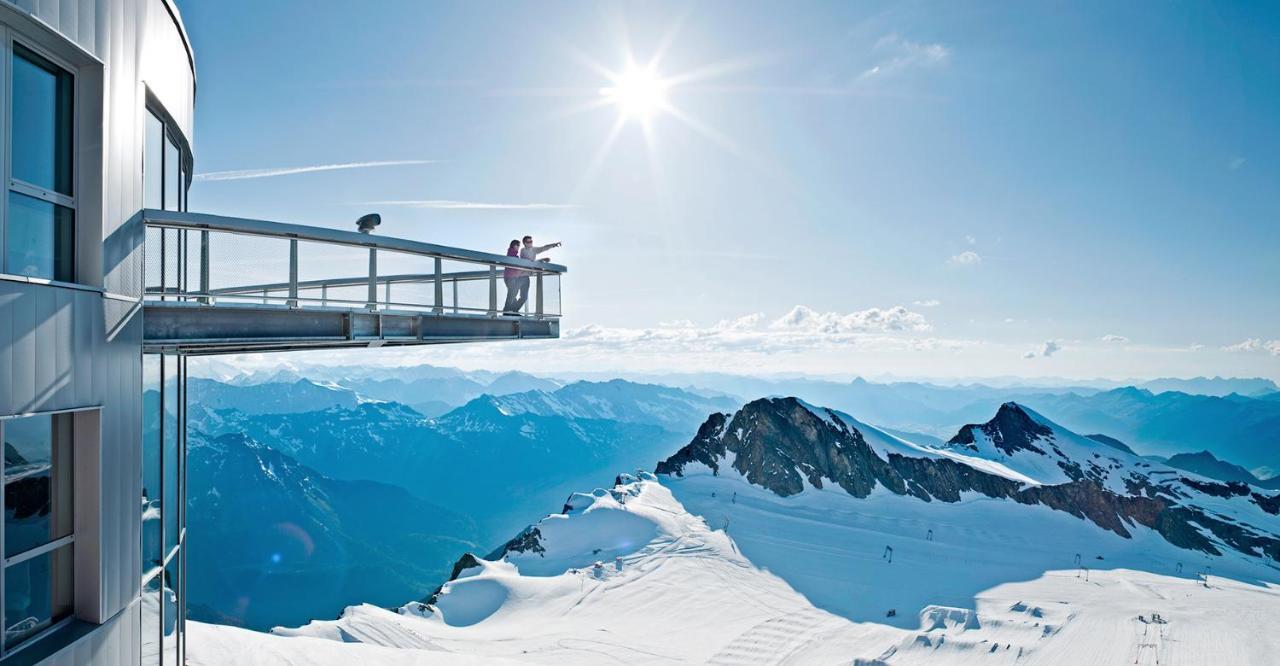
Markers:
point(1250, 345)
point(1115, 339)
point(244, 174)
point(450, 204)
point(802, 329)
point(966, 258)
point(896, 318)
point(971, 240)
point(897, 54)
point(743, 323)
point(1049, 348)
point(927, 303)
point(1255, 345)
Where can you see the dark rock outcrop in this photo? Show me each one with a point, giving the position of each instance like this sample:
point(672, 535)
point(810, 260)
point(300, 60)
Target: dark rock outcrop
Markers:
point(528, 541)
point(1269, 504)
point(467, 561)
point(707, 447)
point(1012, 430)
point(1224, 490)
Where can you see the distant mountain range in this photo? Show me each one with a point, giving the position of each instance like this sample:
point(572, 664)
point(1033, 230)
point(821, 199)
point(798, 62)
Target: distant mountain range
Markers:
point(1215, 386)
point(1242, 429)
point(1236, 428)
point(1207, 465)
point(284, 397)
point(535, 446)
point(273, 541)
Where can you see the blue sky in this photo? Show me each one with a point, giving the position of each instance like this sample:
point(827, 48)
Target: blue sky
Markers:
point(1066, 189)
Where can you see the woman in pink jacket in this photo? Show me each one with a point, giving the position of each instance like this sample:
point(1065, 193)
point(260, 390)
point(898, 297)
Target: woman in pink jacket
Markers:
point(511, 276)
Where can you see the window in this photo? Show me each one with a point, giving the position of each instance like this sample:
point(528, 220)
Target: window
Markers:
point(38, 522)
point(39, 225)
point(163, 508)
point(153, 164)
point(171, 174)
point(152, 551)
point(165, 171)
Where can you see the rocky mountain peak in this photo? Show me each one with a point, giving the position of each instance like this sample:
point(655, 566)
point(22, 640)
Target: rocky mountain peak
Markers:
point(782, 443)
point(1011, 430)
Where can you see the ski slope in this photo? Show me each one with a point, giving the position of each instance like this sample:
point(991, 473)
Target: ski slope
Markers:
point(805, 580)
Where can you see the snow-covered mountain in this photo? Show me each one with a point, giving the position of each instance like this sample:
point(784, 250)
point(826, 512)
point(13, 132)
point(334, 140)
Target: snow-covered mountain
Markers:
point(785, 446)
point(616, 400)
point(787, 533)
point(297, 395)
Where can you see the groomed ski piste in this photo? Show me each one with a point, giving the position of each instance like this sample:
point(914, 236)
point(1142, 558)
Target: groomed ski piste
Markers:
point(709, 568)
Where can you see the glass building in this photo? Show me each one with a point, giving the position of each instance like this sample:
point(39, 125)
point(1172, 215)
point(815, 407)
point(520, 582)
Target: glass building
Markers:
point(108, 283)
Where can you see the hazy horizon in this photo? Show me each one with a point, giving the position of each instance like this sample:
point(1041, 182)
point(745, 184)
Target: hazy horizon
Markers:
point(265, 364)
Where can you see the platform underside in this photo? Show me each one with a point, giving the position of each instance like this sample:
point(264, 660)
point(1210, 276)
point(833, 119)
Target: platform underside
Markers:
point(231, 329)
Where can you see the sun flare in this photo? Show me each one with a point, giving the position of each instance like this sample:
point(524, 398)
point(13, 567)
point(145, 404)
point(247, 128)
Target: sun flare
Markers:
point(637, 92)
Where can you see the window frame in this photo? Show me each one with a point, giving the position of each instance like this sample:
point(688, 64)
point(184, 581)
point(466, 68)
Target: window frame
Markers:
point(69, 540)
point(176, 553)
point(175, 242)
point(9, 38)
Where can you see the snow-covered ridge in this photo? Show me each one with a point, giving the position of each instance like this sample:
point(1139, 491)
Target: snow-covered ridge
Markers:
point(714, 569)
point(786, 533)
point(789, 447)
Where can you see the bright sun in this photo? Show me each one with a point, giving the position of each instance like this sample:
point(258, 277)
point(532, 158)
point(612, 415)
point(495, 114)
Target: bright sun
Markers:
point(637, 92)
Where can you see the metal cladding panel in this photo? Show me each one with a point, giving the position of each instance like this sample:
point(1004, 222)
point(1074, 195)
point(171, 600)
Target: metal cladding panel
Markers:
point(115, 642)
point(63, 348)
point(54, 355)
point(165, 66)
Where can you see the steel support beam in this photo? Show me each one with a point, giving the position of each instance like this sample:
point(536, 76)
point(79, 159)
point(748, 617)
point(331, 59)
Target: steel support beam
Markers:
point(226, 329)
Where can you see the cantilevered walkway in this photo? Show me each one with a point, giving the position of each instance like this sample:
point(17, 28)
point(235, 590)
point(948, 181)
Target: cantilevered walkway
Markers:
point(220, 285)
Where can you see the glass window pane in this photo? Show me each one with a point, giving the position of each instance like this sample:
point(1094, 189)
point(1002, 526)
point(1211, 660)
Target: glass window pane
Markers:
point(37, 593)
point(41, 131)
point(170, 505)
point(171, 163)
point(169, 636)
point(39, 239)
point(151, 547)
point(151, 622)
point(152, 161)
point(181, 588)
point(37, 482)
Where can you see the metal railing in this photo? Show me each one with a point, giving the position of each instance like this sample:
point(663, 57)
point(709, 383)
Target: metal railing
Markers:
point(210, 259)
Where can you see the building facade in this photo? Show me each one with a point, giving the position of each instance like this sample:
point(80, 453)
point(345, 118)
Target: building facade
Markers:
point(108, 284)
point(98, 99)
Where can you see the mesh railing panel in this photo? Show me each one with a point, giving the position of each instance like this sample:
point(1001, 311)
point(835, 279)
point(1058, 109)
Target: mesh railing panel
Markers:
point(237, 262)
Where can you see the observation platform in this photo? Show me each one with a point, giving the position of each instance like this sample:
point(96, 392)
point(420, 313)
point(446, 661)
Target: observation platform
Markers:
point(225, 285)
